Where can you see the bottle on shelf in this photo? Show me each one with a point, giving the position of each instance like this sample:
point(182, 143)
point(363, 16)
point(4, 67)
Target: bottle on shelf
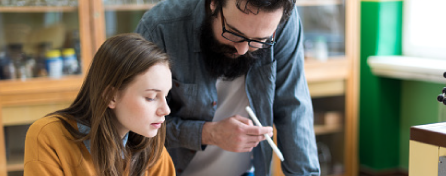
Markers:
point(70, 63)
point(40, 58)
point(72, 45)
point(309, 49)
point(30, 64)
point(18, 59)
point(7, 69)
point(321, 49)
point(20, 65)
point(54, 64)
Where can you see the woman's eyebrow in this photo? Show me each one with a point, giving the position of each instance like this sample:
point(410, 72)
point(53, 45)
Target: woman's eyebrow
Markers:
point(156, 90)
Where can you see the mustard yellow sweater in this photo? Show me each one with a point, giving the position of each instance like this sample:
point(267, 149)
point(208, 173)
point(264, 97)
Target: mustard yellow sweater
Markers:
point(49, 151)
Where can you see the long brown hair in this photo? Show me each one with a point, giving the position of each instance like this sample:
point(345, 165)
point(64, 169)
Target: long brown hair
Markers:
point(117, 62)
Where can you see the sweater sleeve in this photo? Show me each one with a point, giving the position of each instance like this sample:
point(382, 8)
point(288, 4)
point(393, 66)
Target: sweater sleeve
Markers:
point(37, 168)
point(163, 167)
point(40, 157)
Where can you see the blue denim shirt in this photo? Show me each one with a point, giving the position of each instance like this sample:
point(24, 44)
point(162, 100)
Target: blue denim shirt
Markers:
point(276, 87)
point(85, 130)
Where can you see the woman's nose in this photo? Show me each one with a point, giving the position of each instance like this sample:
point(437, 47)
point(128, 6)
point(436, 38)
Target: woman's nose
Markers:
point(164, 109)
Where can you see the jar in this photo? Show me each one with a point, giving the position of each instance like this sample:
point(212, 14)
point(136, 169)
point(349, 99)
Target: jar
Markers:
point(7, 69)
point(18, 59)
point(70, 63)
point(40, 58)
point(54, 63)
point(321, 49)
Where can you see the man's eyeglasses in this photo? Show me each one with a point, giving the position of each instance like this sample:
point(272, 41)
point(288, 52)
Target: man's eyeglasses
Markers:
point(238, 38)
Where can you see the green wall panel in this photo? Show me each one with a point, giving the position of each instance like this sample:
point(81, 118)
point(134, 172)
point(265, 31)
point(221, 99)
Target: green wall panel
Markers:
point(418, 106)
point(379, 97)
point(389, 107)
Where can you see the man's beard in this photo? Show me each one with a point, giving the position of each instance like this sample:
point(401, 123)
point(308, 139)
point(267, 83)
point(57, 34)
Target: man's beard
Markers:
point(216, 58)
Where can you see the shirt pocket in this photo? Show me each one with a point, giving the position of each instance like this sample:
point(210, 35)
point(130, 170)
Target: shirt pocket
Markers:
point(182, 98)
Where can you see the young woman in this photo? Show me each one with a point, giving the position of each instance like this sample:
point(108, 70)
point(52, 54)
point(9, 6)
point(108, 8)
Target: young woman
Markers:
point(115, 126)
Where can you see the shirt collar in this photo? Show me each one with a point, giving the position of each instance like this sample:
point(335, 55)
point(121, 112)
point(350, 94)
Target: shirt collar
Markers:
point(85, 130)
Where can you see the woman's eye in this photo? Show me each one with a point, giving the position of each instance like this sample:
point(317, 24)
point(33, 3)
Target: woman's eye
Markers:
point(150, 99)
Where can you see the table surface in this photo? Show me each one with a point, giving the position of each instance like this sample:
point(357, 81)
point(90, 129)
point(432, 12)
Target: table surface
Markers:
point(434, 133)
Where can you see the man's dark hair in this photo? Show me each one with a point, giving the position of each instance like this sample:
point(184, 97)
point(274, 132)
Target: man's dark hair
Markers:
point(254, 6)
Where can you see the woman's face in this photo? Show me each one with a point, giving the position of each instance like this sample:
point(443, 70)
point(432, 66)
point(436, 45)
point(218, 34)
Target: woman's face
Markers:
point(141, 106)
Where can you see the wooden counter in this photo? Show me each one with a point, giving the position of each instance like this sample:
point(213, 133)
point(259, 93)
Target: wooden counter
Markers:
point(427, 147)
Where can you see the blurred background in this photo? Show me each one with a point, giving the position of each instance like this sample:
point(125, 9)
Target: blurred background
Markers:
point(374, 69)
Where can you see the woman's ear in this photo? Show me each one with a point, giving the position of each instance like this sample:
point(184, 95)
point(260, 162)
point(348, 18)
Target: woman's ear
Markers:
point(112, 103)
point(113, 95)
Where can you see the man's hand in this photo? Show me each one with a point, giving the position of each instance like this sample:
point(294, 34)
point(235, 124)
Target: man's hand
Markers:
point(235, 134)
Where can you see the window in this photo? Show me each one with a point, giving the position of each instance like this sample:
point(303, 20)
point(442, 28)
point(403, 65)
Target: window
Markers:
point(424, 44)
point(424, 28)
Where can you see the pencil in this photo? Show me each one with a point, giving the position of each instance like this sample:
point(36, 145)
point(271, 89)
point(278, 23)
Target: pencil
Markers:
point(270, 141)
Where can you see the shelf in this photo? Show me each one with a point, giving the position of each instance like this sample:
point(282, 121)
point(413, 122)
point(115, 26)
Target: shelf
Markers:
point(42, 84)
point(128, 7)
point(27, 114)
point(332, 69)
point(23, 102)
point(327, 88)
point(31, 9)
point(318, 2)
point(15, 162)
point(327, 129)
point(39, 90)
point(329, 122)
point(326, 78)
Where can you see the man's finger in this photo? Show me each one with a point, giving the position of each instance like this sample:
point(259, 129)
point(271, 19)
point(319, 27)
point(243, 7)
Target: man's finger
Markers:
point(255, 130)
point(244, 120)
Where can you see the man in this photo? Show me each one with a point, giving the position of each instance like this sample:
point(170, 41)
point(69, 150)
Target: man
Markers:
point(229, 54)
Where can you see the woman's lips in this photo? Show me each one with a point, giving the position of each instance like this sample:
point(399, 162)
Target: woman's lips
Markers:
point(157, 125)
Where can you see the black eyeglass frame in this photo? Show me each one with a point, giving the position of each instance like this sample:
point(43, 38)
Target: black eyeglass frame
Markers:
point(243, 39)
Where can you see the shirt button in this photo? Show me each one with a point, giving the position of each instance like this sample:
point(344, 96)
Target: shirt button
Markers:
point(177, 85)
point(214, 103)
point(179, 170)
